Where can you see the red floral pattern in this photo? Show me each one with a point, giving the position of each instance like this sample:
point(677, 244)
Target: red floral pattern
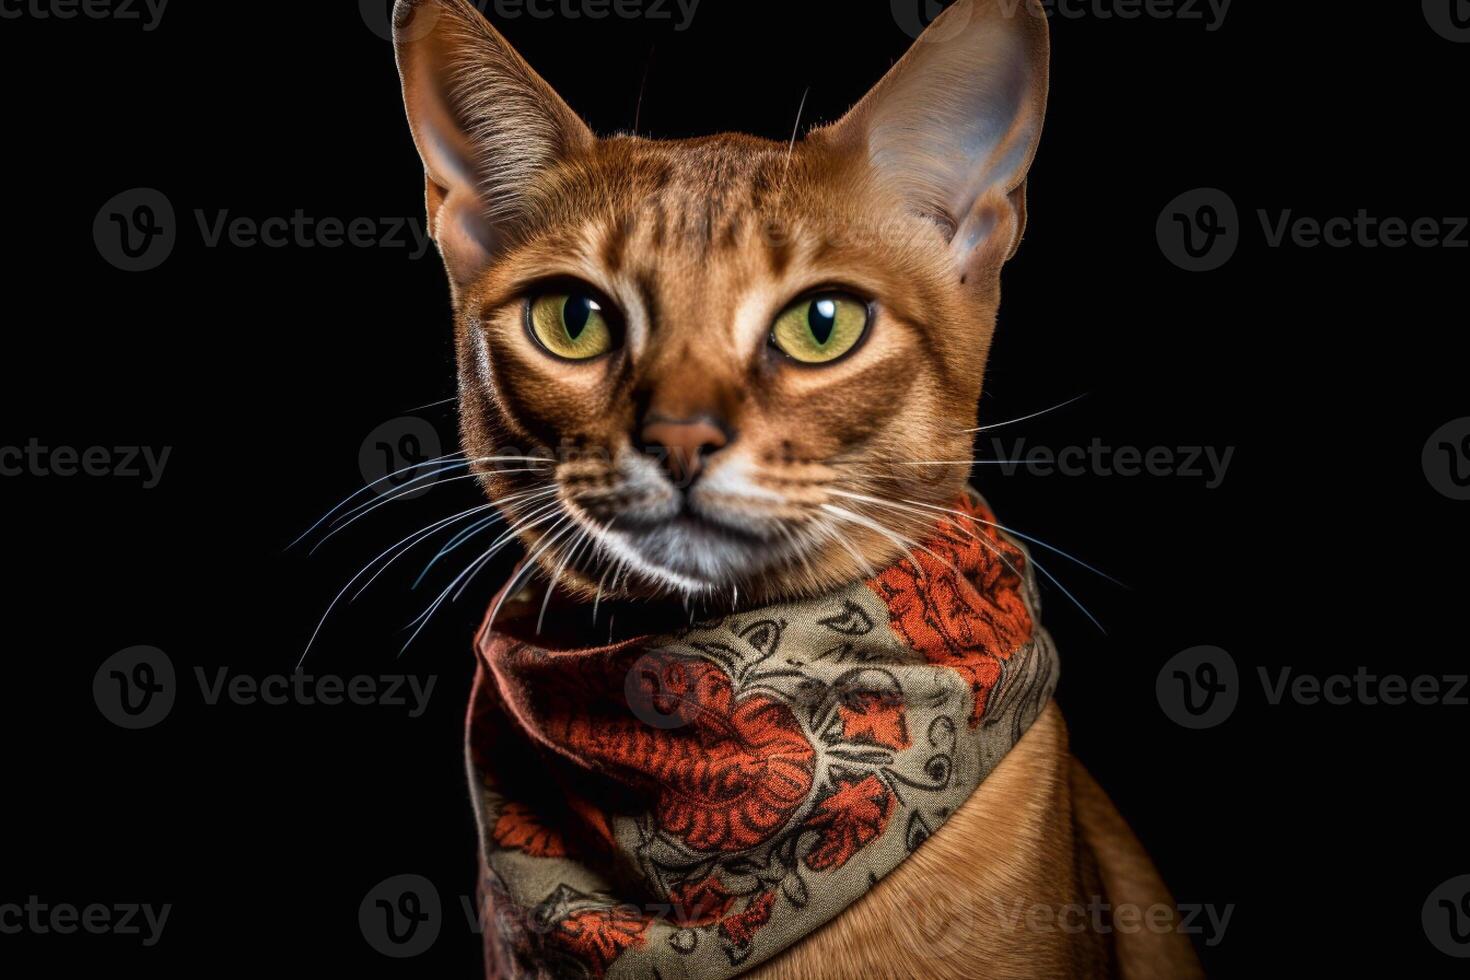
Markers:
point(875, 717)
point(963, 609)
point(730, 771)
point(707, 751)
point(856, 814)
point(699, 903)
point(741, 928)
point(599, 936)
point(518, 829)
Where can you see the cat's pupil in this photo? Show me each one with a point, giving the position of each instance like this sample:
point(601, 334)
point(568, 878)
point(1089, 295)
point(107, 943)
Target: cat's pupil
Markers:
point(822, 318)
point(576, 314)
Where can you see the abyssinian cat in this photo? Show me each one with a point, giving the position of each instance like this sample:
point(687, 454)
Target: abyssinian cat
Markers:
point(719, 360)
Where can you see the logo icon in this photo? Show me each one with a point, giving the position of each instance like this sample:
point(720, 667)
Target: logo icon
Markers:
point(401, 916)
point(1199, 688)
point(660, 691)
point(1447, 459)
point(915, 16)
point(135, 231)
point(1199, 230)
point(1447, 917)
point(378, 16)
point(1449, 18)
point(134, 688)
point(392, 456)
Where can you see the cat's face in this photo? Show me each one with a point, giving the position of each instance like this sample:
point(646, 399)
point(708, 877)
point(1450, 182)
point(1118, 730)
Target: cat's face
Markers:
point(724, 366)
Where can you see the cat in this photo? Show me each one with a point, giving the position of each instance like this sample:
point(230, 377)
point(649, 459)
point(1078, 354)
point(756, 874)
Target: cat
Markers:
point(719, 361)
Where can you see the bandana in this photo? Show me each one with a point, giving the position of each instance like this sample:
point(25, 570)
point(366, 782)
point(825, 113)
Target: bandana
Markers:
point(692, 803)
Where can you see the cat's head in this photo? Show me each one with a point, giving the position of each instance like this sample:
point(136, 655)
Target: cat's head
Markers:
point(721, 364)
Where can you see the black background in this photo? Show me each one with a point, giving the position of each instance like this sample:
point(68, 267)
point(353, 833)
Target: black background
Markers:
point(264, 369)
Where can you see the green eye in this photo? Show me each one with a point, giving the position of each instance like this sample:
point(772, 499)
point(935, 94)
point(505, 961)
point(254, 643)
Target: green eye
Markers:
point(571, 326)
point(821, 328)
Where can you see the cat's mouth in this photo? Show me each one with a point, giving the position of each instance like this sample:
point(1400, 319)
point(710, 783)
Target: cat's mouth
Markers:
point(692, 549)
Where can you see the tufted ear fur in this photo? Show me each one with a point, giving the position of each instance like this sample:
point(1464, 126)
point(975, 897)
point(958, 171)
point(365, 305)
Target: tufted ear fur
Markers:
point(954, 126)
point(486, 125)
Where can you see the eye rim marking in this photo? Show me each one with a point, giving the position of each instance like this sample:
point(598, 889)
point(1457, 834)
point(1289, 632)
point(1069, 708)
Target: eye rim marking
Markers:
point(870, 316)
point(569, 287)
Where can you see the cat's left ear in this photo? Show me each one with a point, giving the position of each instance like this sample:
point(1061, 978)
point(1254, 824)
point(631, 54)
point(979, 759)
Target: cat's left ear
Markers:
point(954, 126)
point(486, 125)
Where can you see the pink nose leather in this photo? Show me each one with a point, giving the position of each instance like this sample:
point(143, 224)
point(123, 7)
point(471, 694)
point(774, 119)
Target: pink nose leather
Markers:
point(682, 446)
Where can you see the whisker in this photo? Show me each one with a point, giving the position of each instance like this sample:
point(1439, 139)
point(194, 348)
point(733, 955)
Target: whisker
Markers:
point(467, 576)
point(553, 535)
point(583, 536)
point(542, 514)
point(352, 517)
point(904, 544)
point(826, 527)
point(465, 535)
point(410, 541)
point(444, 401)
point(353, 496)
point(1028, 418)
point(597, 600)
point(1001, 527)
point(1009, 564)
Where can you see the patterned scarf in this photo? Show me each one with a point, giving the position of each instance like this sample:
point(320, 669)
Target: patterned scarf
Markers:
point(689, 805)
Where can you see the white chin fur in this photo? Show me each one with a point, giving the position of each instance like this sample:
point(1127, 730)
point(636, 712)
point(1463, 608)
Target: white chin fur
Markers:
point(711, 552)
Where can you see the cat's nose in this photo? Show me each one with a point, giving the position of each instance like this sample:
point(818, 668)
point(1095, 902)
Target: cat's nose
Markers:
point(682, 445)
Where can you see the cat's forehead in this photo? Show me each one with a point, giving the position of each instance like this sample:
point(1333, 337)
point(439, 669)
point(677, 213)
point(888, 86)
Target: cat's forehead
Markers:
point(725, 171)
point(695, 197)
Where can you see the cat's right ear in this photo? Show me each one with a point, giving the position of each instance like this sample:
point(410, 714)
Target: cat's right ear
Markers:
point(954, 126)
point(486, 125)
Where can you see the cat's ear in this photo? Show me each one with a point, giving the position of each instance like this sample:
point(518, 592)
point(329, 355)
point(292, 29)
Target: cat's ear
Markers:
point(484, 122)
point(954, 125)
